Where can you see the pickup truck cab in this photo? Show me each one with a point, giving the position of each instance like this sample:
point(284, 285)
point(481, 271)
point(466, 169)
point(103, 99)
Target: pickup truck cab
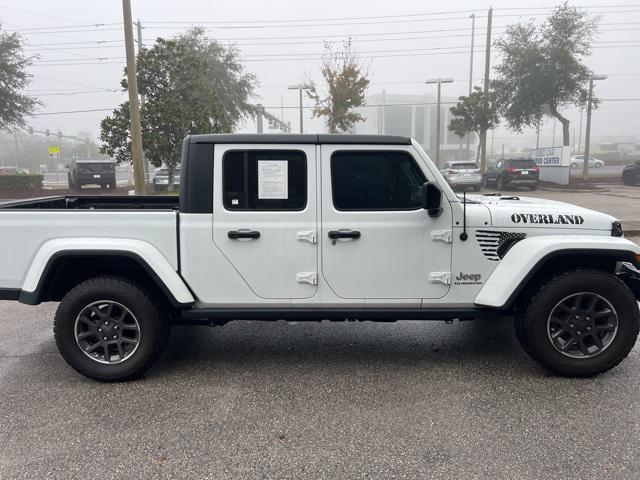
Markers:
point(312, 227)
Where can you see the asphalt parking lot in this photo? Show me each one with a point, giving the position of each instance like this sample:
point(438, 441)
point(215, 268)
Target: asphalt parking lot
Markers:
point(320, 400)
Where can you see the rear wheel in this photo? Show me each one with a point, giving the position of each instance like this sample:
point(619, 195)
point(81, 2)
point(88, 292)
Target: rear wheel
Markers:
point(109, 329)
point(579, 323)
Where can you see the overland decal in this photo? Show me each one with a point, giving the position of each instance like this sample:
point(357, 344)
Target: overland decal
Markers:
point(547, 218)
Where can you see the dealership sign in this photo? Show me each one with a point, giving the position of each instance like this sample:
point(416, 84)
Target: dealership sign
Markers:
point(547, 157)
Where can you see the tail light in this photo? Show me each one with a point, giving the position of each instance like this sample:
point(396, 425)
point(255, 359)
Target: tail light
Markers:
point(536, 169)
point(510, 170)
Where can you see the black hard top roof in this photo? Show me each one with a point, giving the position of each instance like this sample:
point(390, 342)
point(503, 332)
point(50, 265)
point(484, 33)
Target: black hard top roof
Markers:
point(284, 138)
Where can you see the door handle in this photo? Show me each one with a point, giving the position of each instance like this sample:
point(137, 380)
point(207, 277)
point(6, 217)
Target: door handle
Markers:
point(354, 234)
point(236, 234)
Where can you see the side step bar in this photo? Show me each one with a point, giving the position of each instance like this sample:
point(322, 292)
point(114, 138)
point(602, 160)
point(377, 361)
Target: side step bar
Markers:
point(204, 315)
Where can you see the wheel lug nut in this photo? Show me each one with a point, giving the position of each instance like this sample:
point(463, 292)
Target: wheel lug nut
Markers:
point(572, 325)
point(100, 330)
point(577, 317)
point(115, 327)
point(105, 338)
point(115, 336)
point(579, 332)
point(107, 323)
point(588, 328)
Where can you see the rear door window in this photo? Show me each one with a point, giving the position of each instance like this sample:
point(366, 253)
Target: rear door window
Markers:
point(264, 180)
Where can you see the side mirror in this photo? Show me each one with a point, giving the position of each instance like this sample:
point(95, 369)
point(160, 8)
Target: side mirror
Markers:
point(432, 199)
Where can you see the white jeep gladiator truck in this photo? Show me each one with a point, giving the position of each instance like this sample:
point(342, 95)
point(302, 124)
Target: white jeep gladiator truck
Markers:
point(312, 227)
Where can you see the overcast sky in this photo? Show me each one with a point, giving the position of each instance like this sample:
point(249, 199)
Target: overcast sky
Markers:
point(404, 41)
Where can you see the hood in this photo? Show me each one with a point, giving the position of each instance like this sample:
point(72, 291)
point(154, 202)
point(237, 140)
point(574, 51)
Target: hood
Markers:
point(528, 212)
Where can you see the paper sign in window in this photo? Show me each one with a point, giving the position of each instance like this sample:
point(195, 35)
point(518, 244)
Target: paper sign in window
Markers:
point(273, 179)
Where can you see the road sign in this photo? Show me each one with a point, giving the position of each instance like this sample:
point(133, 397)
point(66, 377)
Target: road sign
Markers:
point(54, 151)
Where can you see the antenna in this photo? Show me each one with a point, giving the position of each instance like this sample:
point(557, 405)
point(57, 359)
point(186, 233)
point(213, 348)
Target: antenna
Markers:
point(463, 235)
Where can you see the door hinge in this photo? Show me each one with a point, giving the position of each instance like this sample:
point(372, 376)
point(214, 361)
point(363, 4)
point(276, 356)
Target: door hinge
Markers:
point(441, 235)
point(308, 236)
point(307, 277)
point(440, 277)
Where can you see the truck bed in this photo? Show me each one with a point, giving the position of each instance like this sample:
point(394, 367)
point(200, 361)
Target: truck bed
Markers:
point(96, 202)
point(27, 226)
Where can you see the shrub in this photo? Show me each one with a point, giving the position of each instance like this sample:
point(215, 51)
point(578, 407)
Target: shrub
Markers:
point(21, 181)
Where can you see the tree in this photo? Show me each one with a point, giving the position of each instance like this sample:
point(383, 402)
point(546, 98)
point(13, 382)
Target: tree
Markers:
point(347, 82)
point(14, 106)
point(542, 68)
point(191, 84)
point(475, 113)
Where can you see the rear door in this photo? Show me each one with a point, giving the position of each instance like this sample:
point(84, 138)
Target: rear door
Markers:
point(265, 218)
point(378, 243)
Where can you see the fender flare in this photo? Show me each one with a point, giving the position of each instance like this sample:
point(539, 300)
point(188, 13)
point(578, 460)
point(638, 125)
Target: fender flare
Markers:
point(145, 254)
point(529, 255)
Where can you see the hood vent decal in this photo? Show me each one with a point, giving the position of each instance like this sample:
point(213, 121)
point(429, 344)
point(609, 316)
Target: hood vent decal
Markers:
point(495, 245)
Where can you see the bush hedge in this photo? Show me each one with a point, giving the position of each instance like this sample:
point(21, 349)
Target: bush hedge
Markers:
point(21, 181)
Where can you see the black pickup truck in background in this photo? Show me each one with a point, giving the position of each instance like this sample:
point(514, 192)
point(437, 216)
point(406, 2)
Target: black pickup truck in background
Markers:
point(92, 172)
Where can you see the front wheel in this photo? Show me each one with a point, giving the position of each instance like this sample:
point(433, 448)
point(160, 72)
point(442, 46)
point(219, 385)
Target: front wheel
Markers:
point(110, 329)
point(580, 323)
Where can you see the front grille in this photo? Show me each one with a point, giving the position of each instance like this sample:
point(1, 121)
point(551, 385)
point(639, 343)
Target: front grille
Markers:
point(495, 245)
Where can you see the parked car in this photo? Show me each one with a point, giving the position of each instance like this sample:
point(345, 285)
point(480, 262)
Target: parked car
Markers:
point(462, 174)
point(161, 179)
point(91, 172)
point(312, 227)
point(12, 171)
point(631, 174)
point(517, 172)
point(578, 161)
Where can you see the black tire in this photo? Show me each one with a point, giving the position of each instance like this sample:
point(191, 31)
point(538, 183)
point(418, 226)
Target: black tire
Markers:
point(476, 188)
point(574, 165)
point(149, 312)
point(532, 317)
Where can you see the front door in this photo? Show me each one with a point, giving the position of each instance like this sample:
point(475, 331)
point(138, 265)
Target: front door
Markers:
point(264, 217)
point(377, 241)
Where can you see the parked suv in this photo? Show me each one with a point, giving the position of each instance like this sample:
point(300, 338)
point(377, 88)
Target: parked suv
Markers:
point(513, 172)
point(92, 172)
point(462, 174)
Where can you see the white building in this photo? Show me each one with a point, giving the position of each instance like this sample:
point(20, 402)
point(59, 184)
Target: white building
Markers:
point(415, 116)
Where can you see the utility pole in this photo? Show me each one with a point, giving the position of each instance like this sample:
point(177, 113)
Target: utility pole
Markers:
point(134, 107)
point(487, 68)
point(473, 34)
point(147, 167)
point(439, 82)
point(587, 135)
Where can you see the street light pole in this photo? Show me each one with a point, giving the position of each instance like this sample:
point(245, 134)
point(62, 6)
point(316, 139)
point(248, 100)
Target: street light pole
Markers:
point(439, 82)
point(300, 88)
point(473, 34)
point(587, 135)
